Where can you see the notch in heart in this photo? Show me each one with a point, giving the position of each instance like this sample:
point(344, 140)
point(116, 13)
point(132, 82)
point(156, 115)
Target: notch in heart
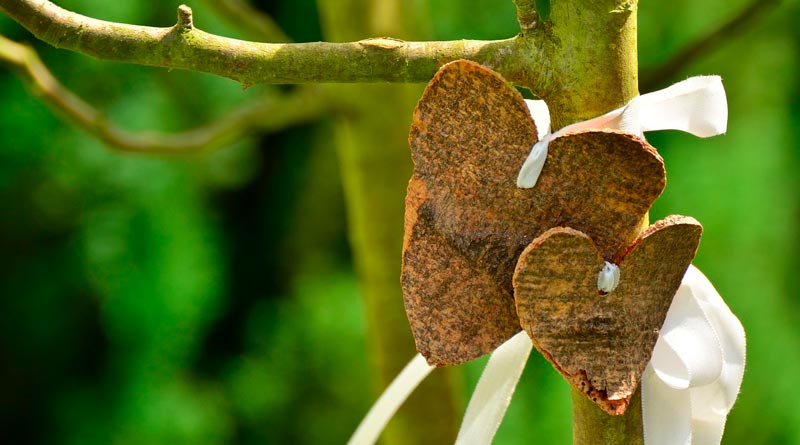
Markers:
point(601, 343)
point(466, 222)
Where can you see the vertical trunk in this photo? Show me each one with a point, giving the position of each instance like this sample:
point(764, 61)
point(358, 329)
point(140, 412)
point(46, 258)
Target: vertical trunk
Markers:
point(592, 50)
point(592, 46)
point(593, 426)
point(376, 165)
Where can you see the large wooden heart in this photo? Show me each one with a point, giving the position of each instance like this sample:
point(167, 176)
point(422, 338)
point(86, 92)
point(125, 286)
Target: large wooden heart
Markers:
point(466, 221)
point(602, 342)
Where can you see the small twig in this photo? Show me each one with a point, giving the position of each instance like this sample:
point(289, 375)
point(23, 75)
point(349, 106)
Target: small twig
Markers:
point(185, 20)
point(270, 113)
point(526, 14)
point(654, 78)
point(253, 22)
point(372, 60)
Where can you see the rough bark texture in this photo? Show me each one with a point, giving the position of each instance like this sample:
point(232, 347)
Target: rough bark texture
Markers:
point(593, 47)
point(467, 222)
point(601, 343)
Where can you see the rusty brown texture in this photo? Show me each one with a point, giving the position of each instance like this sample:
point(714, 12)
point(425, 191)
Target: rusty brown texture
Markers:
point(466, 221)
point(601, 343)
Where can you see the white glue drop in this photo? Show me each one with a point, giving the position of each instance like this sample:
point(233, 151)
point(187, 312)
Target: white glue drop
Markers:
point(608, 278)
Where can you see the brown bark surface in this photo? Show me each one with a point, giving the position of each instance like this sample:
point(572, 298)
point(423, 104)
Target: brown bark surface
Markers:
point(466, 221)
point(602, 343)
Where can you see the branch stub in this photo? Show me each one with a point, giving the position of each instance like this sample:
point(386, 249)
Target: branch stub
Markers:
point(184, 17)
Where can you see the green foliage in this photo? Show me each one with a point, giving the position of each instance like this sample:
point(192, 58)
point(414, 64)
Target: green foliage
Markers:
point(477, 19)
point(543, 9)
point(743, 188)
point(210, 298)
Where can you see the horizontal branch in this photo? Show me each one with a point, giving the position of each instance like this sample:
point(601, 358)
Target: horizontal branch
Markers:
point(271, 112)
point(185, 47)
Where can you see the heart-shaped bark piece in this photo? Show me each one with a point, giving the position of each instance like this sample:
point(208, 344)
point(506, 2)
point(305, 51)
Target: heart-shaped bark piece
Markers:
point(600, 342)
point(435, 267)
point(465, 217)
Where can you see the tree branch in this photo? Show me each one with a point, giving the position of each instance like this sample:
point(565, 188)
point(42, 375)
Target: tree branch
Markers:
point(250, 20)
point(655, 78)
point(185, 47)
point(269, 113)
point(526, 14)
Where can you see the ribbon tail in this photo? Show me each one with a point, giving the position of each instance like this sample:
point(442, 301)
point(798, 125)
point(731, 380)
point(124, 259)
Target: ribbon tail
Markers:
point(732, 336)
point(666, 412)
point(492, 395)
point(692, 380)
point(708, 431)
point(390, 401)
point(532, 167)
point(697, 105)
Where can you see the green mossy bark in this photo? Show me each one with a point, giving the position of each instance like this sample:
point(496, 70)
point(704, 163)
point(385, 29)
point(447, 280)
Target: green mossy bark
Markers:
point(184, 46)
point(593, 426)
point(375, 164)
point(590, 46)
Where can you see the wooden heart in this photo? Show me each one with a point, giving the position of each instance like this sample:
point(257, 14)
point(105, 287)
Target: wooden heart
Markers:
point(466, 221)
point(601, 342)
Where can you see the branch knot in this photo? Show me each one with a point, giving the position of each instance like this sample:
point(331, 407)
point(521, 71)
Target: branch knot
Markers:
point(184, 17)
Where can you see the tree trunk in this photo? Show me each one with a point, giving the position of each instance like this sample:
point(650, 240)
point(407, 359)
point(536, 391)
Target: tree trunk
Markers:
point(376, 165)
point(593, 54)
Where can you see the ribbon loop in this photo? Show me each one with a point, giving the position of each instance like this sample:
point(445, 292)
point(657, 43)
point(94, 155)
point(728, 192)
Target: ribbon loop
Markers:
point(696, 105)
point(696, 371)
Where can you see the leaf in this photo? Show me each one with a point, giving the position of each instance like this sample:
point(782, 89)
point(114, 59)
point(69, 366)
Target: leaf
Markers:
point(466, 221)
point(601, 343)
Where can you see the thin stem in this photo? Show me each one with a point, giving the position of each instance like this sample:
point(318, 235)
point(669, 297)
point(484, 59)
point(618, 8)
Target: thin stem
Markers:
point(656, 77)
point(183, 46)
point(271, 112)
point(526, 14)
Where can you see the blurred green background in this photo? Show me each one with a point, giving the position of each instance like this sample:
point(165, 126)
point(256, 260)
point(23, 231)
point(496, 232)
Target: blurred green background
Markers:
point(211, 298)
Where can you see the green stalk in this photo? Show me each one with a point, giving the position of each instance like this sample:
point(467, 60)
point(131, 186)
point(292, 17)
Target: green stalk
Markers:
point(591, 425)
point(591, 46)
point(376, 165)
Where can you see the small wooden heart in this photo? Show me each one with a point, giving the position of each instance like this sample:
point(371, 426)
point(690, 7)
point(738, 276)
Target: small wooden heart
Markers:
point(601, 343)
point(466, 221)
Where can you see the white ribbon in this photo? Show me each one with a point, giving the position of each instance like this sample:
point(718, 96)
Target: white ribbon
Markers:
point(392, 398)
point(492, 395)
point(697, 366)
point(688, 388)
point(693, 379)
point(696, 105)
